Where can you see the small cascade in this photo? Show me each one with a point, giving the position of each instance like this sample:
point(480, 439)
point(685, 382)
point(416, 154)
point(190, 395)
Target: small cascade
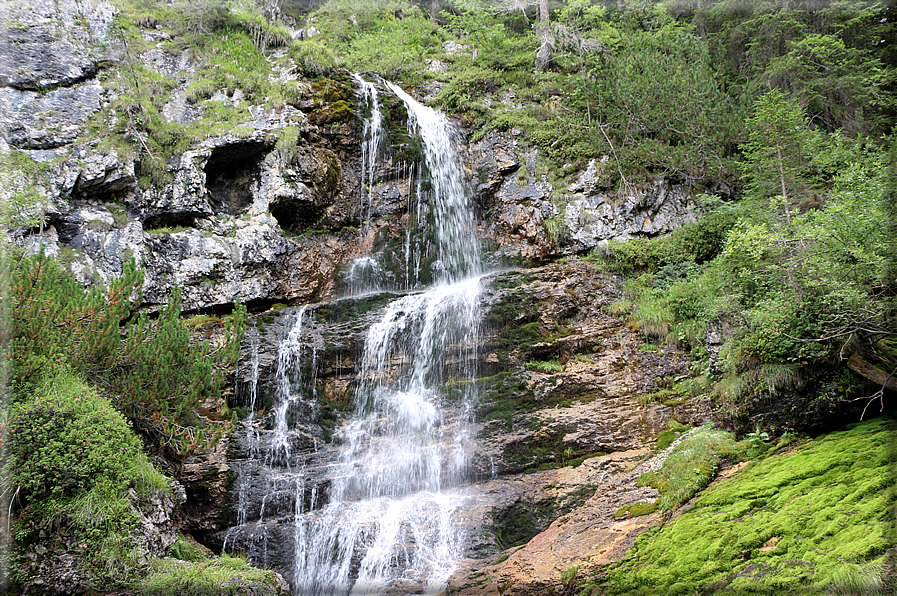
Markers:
point(372, 135)
point(270, 480)
point(439, 244)
point(403, 455)
point(290, 380)
point(376, 511)
point(442, 208)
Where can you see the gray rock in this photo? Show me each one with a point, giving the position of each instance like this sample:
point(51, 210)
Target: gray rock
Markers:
point(45, 44)
point(215, 269)
point(33, 121)
point(593, 217)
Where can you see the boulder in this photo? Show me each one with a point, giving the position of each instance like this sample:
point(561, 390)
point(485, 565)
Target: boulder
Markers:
point(593, 216)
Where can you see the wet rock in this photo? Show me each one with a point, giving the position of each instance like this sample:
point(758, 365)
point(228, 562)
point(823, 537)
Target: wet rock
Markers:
point(205, 478)
point(592, 402)
point(589, 537)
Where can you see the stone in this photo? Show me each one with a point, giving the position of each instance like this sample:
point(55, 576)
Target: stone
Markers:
point(31, 120)
point(205, 478)
point(594, 217)
point(589, 537)
point(45, 44)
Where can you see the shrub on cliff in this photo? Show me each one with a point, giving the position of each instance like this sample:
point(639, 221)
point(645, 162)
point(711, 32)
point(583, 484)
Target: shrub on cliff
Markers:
point(69, 465)
point(149, 368)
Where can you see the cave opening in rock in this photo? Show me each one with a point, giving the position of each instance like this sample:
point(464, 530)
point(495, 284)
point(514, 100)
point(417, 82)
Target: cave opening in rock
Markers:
point(169, 221)
point(295, 216)
point(231, 172)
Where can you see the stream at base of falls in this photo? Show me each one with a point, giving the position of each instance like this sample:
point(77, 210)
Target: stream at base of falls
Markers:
point(379, 507)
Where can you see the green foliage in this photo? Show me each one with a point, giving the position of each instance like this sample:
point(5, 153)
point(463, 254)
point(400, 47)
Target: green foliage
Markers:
point(313, 58)
point(683, 125)
point(799, 282)
point(187, 551)
point(155, 374)
point(637, 509)
point(222, 576)
point(818, 517)
point(859, 580)
point(393, 39)
point(70, 459)
point(69, 439)
point(775, 157)
point(690, 467)
point(827, 55)
point(545, 366)
point(698, 242)
point(674, 431)
point(832, 81)
point(618, 308)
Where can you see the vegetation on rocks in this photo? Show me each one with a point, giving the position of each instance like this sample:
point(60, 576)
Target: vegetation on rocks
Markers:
point(816, 518)
point(149, 368)
point(806, 278)
point(221, 576)
point(779, 116)
point(85, 370)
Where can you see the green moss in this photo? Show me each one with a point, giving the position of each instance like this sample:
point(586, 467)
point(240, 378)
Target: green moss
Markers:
point(691, 466)
point(666, 438)
point(828, 506)
point(636, 509)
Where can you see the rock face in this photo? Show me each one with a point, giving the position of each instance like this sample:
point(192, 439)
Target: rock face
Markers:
point(594, 216)
point(276, 210)
point(586, 403)
point(587, 538)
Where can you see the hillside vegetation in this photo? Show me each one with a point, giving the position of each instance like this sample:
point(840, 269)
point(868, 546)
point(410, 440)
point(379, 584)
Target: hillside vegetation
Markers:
point(781, 118)
point(782, 114)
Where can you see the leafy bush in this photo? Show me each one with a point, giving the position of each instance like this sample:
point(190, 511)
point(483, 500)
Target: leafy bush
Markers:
point(156, 375)
point(68, 439)
point(71, 459)
point(694, 243)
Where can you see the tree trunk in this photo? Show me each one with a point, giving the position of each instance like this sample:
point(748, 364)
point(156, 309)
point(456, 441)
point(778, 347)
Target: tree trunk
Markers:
point(543, 58)
point(863, 368)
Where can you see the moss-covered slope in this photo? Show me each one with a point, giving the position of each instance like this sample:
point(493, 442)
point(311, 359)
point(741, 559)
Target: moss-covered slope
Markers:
point(816, 520)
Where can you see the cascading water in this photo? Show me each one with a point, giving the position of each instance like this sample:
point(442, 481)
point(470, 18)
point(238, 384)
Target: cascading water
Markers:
point(444, 207)
point(371, 138)
point(385, 519)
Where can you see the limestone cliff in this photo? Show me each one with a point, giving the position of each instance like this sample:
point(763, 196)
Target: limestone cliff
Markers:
point(267, 211)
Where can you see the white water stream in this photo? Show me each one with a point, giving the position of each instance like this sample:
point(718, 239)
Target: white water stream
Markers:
point(396, 482)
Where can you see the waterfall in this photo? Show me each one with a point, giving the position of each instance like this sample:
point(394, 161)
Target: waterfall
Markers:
point(440, 245)
point(385, 518)
point(371, 138)
point(444, 208)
